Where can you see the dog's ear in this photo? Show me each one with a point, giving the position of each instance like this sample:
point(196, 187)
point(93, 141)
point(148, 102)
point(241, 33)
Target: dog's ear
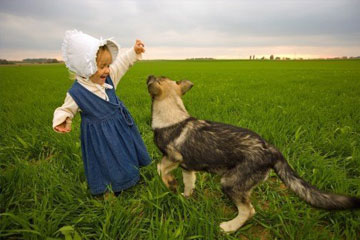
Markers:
point(185, 85)
point(154, 89)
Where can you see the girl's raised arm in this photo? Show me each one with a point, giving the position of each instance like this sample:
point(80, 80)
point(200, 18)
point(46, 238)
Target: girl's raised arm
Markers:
point(124, 61)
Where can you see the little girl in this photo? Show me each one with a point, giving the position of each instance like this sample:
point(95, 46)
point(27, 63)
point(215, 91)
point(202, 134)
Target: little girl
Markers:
point(112, 148)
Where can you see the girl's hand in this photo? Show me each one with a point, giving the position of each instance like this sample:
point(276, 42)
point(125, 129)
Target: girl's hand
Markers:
point(139, 46)
point(64, 127)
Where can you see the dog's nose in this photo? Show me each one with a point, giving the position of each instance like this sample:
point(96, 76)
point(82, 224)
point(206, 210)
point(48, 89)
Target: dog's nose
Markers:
point(150, 79)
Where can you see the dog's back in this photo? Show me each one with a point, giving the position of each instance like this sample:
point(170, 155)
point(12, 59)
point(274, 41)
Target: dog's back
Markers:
point(214, 147)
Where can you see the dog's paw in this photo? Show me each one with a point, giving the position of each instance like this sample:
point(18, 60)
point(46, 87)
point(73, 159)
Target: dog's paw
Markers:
point(252, 212)
point(234, 224)
point(227, 227)
point(187, 194)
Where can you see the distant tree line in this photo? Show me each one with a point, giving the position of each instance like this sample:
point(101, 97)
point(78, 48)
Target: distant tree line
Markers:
point(204, 58)
point(40, 60)
point(272, 57)
point(4, 61)
point(31, 60)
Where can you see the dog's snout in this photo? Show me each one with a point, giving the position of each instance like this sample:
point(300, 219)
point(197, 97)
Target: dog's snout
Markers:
point(150, 79)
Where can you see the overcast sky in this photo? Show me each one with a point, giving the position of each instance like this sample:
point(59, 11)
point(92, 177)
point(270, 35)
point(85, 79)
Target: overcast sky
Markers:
point(185, 29)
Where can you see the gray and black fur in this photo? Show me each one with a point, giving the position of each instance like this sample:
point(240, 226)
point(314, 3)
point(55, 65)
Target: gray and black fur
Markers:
point(241, 157)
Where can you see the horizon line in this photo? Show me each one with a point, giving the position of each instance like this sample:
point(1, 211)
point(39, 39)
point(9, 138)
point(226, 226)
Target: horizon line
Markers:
point(276, 58)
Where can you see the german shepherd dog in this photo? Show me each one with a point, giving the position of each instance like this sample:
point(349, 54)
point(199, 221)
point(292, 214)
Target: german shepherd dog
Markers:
point(241, 157)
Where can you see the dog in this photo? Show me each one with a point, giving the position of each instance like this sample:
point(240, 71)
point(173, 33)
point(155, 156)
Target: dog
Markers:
point(240, 156)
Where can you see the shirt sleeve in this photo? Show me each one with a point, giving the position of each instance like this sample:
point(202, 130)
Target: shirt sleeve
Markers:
point(67, 110)
point(121, 64)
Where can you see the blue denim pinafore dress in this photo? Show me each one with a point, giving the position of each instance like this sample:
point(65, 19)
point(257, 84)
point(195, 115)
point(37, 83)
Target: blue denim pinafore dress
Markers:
point(112, 148)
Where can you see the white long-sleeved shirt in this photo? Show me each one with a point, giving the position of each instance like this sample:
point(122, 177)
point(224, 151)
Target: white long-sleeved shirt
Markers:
point(118, 68)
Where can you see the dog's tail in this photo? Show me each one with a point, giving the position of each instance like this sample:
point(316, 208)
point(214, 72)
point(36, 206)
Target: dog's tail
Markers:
point(309, 193)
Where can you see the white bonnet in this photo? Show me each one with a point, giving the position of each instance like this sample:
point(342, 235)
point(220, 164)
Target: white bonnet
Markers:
point(79, 52)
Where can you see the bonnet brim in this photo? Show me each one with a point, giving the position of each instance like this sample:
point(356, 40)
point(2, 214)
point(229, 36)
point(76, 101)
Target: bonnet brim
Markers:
point(79, 52)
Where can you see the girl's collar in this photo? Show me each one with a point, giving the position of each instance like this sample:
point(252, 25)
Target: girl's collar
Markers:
point(88, 82)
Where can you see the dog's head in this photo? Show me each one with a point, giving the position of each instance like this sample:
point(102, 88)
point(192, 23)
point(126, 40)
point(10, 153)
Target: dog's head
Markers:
point(162, 87)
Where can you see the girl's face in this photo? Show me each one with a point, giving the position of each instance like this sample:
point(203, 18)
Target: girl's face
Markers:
point(103, 61)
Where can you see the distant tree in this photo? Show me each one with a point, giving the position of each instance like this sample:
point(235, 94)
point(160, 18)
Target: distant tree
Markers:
point(277, 58)
point(271, 57)
point(4, 61)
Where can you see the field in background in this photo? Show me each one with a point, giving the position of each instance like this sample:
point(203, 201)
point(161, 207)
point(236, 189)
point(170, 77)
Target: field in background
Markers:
point(308, 109)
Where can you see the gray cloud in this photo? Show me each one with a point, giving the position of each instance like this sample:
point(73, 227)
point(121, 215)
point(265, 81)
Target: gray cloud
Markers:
point(40, 25)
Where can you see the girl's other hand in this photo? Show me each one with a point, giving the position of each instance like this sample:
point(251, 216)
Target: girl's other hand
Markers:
point(139, 46)
point(64, 127)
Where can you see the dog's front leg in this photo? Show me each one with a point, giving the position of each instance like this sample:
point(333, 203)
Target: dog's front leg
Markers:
point(164, 168)
point(189, 178)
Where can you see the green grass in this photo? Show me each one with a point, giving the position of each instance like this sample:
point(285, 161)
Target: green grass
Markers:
point(308, 109)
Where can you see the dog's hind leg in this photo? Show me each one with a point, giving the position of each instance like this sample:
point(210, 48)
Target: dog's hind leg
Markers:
point(164, 168)
point(237, 185)
point(245, 211)
point(189, 178)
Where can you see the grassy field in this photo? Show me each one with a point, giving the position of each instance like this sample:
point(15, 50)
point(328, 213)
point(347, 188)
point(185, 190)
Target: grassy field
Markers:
point(308, 109)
